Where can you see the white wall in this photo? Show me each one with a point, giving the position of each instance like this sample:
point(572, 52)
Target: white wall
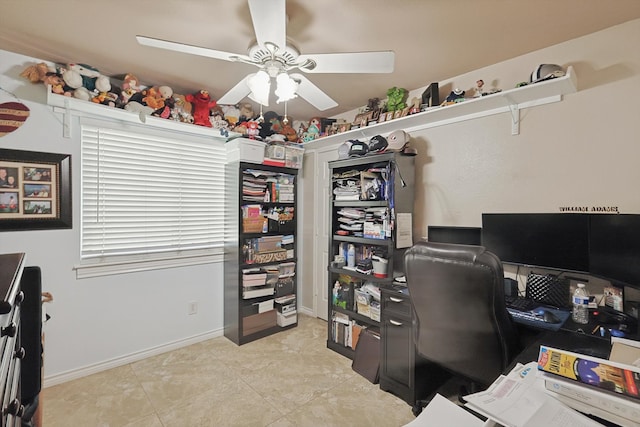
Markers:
point(104, 321)
point(583, 151)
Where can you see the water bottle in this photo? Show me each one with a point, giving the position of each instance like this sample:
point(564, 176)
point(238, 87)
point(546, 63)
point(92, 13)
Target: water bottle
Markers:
point(351, 256)
point(580, 312)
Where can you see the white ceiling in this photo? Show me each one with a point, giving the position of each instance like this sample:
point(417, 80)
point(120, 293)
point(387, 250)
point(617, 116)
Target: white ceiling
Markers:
point(433, 39)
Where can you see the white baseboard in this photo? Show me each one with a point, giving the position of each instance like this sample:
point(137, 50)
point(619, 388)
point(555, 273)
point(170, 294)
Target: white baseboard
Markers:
point(130, 358)
point(307, 311)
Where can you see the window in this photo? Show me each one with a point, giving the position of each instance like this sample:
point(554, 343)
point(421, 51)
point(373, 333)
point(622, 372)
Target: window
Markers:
point(149, 199)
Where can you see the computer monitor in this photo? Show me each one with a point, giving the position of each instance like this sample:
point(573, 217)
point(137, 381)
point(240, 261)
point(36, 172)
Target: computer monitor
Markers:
point(451, 234)
point(546, 240)
point(615, 248)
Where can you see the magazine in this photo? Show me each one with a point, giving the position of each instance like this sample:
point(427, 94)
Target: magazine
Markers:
point(601, 373)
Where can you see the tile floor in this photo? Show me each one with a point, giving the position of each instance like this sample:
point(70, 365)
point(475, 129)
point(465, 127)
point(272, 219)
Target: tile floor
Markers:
point(287, 379)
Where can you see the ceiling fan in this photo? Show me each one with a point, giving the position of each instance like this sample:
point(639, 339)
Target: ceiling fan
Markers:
point(273, 55)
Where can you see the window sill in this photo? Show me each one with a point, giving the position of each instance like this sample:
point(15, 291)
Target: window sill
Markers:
point(128, 264)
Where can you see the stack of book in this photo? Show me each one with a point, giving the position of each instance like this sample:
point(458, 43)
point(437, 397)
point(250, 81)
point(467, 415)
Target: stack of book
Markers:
point(254, 284)
point(345, 331)
point(606, 388)
point(350, 221)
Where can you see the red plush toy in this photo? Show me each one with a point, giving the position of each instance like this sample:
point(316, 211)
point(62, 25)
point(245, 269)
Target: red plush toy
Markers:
point(202, 103)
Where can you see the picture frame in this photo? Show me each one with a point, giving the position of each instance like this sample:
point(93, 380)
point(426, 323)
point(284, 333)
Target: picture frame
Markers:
point(35, 190)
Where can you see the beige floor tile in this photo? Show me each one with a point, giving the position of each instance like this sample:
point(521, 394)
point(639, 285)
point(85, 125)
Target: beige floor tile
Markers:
point(242, 407)
point(288, 379)
point(110, 398)
point(354, 402)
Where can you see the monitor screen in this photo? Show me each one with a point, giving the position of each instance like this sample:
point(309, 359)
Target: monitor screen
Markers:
point(554, 241)
point(459, 235)
point(615, 248)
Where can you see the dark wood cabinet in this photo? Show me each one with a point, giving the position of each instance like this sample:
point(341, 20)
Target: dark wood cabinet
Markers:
point(402, 371)
point(260, 251)
point(371, 208)
point(11, 268)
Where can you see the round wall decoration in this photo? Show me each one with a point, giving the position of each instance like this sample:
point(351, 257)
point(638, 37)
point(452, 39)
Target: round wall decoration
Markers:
point(12, 116)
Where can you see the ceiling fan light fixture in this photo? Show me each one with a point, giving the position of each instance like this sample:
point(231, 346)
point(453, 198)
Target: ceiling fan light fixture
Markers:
point(286, 88)
point(260, 85)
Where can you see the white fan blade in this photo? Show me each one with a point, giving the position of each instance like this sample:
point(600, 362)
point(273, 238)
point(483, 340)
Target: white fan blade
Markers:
point(269, 21)
point(236, 93)
point(356, 62)
point(312, 94)
point(193, 50)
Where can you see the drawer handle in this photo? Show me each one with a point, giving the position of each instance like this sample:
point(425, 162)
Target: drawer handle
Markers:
point(395, 323)
point(15, 408)
point(19, 354)
point(394, 299)
point(9, 331)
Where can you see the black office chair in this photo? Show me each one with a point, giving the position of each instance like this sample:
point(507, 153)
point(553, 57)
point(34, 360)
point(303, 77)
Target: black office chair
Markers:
point(460, 319)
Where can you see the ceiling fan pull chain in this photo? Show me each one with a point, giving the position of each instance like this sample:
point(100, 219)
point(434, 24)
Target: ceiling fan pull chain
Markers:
point(285, 119)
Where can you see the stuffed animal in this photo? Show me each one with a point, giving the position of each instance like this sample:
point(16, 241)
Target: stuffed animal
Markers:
point(56, 83)
point(181, 110)
point(218, 122)
point(85, 81)
point(231, 114)
point(253, 128)
point(313, 130)
point(202, 103)
point(246, 112)
point(35, 73)
point(130, 86)
point(289, 133)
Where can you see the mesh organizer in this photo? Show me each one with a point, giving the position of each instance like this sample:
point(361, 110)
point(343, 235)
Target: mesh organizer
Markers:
point(548, 289)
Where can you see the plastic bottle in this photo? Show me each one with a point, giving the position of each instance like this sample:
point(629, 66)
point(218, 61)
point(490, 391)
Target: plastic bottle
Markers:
point(580, 312)
point(351, 256)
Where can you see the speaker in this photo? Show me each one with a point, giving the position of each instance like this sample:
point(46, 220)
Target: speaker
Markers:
point(31, 332)
point(548, 289)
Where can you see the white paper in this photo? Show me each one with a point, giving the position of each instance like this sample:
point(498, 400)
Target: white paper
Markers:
point(442, 412)
point(404, 230)
point(518, 400)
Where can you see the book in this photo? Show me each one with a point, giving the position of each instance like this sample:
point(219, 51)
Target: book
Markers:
point(606, 375)
point(590, 400)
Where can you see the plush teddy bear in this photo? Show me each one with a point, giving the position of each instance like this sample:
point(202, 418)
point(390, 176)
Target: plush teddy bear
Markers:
point(202, 103)
point(35, 73)
point(42, 73)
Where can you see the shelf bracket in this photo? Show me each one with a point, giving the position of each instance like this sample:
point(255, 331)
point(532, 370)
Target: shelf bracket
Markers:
point(66, 120)
point(515, 115)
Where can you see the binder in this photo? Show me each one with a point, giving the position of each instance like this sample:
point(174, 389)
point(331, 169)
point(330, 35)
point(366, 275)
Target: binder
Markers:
point(367, 358)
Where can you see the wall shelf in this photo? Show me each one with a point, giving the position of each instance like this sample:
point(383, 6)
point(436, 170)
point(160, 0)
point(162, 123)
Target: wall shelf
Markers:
point(507, 101)
point(67, 105)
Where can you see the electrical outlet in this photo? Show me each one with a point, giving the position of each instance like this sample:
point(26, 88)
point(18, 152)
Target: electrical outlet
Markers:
point(192, 308)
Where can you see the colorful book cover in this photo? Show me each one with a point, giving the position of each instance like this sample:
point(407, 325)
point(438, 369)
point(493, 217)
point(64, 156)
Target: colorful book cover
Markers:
point(601, 373)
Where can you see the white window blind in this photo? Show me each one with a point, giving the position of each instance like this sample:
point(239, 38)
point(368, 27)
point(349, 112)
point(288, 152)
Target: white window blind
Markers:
point(147, 194)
